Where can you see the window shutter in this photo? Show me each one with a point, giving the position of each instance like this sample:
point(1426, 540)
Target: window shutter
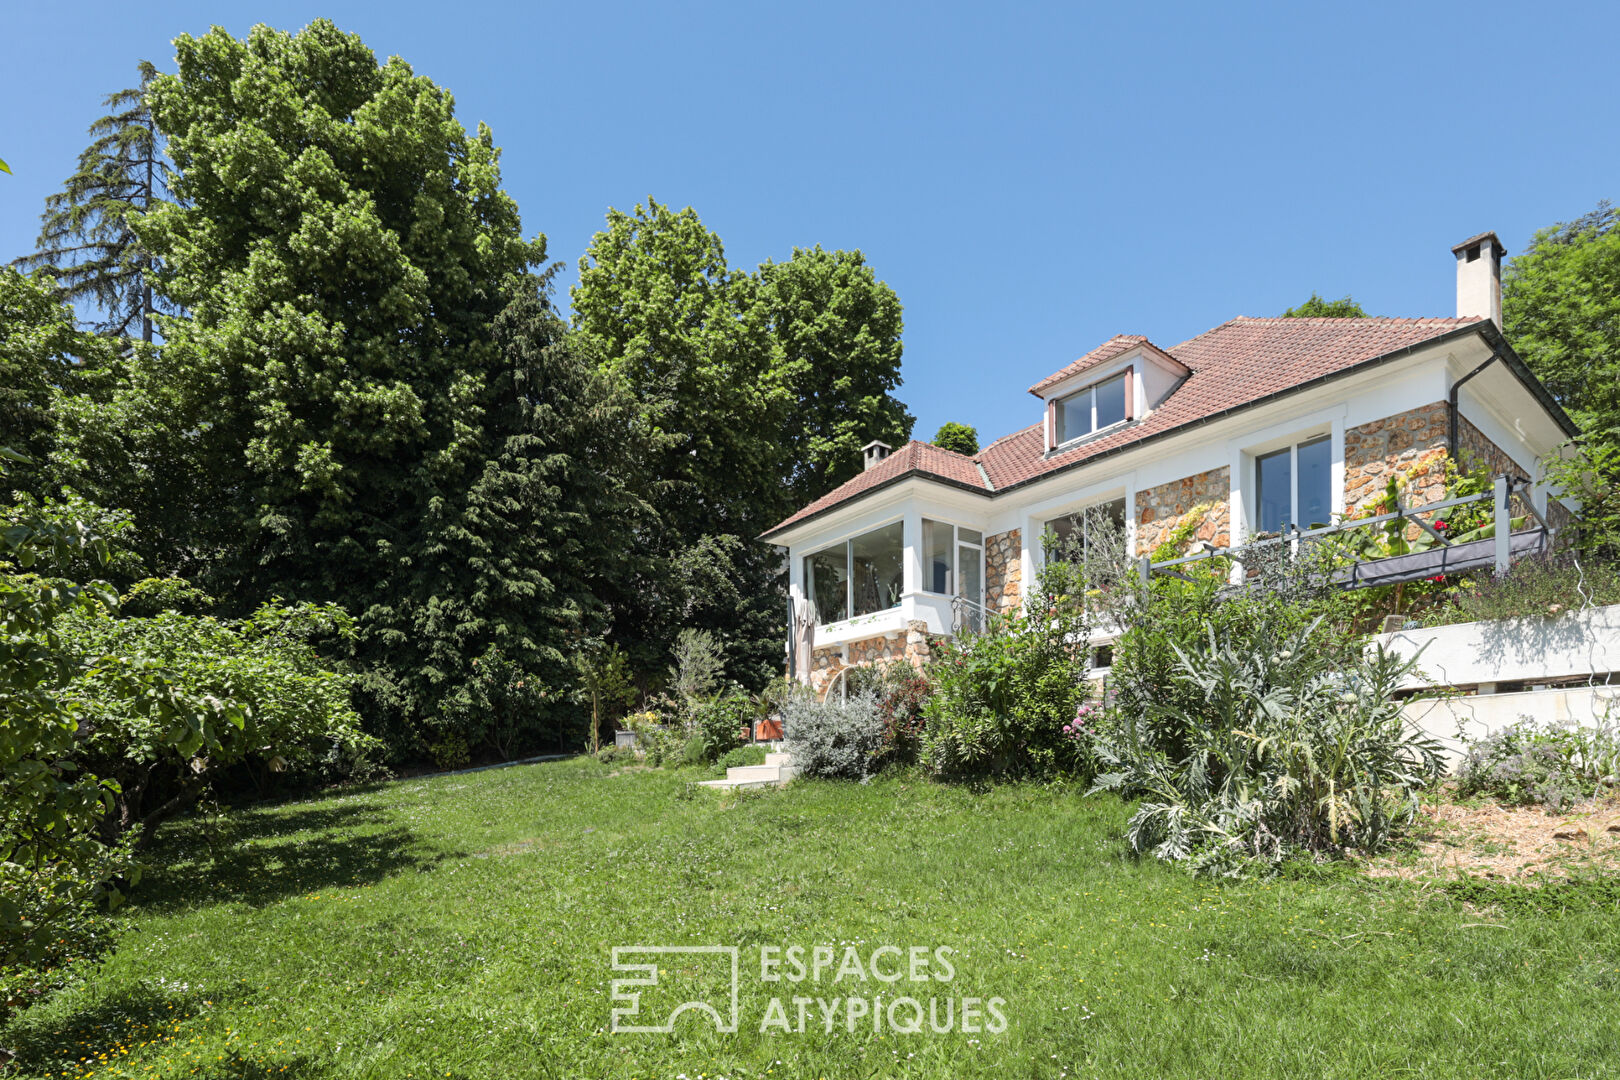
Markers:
point(1130, 393)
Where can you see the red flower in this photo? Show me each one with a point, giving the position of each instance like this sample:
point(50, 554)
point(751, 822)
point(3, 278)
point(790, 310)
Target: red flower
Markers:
point(1441, 525)
point(1438, 577)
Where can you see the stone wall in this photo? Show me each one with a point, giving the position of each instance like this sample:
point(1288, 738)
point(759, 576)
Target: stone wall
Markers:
point(1003, 571)
point(1412, 444)
point(911, 645)
point(1160, 510)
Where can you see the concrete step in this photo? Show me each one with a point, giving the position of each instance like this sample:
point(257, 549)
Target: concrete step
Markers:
point(744, 773)
point(778, 758)
point(777, 770)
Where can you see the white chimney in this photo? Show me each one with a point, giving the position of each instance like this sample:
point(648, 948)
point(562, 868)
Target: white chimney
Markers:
point(1479, 277)
point(875, 452)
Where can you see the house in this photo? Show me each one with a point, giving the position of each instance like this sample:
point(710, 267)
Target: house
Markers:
point(1250, 427)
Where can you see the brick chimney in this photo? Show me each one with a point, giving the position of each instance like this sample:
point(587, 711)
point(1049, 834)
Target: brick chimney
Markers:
point(1479, 277)
point(875, 452)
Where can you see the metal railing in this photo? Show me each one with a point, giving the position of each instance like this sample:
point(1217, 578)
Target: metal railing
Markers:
point(1503, 546)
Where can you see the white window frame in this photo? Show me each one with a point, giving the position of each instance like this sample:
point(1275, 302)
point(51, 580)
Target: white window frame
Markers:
point(1090, 392)
point(848, 542)
point(957, 544)
point(1292, 449)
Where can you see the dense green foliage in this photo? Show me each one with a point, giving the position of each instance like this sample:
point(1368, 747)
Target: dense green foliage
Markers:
point(1000, 699)
point(1318, 307)
point(88, 241)
point(958, 438)
point(1561, 311)
point(1555, 764)
point(766, 384)
point(837, 739)
point(1252, 723)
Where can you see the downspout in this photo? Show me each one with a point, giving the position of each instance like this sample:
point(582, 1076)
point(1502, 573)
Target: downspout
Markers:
point(1451, 403)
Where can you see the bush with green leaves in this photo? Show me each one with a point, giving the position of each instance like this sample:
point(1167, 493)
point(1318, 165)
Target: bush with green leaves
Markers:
point(1554, 764)
point(295, 722)
point(739, 758)
point(1000, 698)
point(836, 739)
point(717, 726)
point(1541, 586)
point(902, 692)
point(1286, 750)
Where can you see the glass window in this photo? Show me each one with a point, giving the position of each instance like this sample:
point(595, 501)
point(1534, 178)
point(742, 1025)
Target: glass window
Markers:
point(968, 559)
point(937, 576)
point(1295, 486)
point(877, 567)
point(1092, 409)
point(826, 582)
point(859, 576)
point(1110, 402)
point(1274, 476)
point(1315, 483)
point(1077, 532)
point(1073, 416)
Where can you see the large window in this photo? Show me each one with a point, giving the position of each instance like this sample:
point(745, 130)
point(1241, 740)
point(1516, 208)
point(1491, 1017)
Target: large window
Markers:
point(858, 576)
point(953, 565)
point(1092, 409)
point(1294, 486)
point(1081, 535)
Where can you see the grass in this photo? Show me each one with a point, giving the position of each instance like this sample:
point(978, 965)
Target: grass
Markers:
point(462, 927)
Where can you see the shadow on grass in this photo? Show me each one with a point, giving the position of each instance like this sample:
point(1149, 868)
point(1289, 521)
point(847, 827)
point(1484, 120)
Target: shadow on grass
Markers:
point(270, 856)
point(129, 1026)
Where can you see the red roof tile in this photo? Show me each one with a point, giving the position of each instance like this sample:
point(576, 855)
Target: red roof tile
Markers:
point(1239, 363)
point(920, 458)
point(1108, 350)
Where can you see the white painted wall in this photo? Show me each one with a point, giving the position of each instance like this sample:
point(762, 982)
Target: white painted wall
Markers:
point(1457, 721)
point(1511, 650)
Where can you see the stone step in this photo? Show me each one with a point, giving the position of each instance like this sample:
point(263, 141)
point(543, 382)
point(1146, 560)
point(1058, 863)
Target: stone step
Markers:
point(778, 758)
point(744, 773)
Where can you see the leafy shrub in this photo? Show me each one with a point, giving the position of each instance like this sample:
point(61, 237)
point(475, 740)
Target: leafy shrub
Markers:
point(717, 726)
point(296, 723)
point(836, 739)
point(1543, 585)
point(740, 757)
point(1285, 751)
point(902, 691)
point(615, 755)
point(699, 662)
point(1552, 765)
point(501, 708)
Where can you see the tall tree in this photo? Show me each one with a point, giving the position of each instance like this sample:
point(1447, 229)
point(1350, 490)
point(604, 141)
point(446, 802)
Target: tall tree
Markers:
point(767, 385)
point(342, 248)
point(659, 305)
point(1561, 310)
point(88, 240)
point(838, 329)
point(44, 361)
point(1318, 307)
point(958, 437)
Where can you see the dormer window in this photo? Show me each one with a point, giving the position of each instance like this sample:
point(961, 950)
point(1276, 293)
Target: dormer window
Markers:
point(1092, 409)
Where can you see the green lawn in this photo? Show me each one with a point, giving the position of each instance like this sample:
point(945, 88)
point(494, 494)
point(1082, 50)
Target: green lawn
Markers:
point(461, 927)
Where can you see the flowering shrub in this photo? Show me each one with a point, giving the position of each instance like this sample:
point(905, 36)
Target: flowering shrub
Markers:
point(1553, 765)
point(901, 692)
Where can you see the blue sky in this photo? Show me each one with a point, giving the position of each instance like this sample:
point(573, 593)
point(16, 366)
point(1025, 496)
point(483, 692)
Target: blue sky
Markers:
point(1031, 179)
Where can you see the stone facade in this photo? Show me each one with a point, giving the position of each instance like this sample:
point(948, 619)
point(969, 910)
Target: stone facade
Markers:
point(911, 645)
point(1003, 571)
point(1412, 444)
point(1160, 510)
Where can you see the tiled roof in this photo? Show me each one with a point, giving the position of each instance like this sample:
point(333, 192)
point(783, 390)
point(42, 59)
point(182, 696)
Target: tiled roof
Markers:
point(1239, 363)
point(919, 458)
point(1114, 346)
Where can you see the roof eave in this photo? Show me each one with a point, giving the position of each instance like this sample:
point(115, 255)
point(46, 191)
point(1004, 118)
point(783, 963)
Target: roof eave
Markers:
point(909, 474)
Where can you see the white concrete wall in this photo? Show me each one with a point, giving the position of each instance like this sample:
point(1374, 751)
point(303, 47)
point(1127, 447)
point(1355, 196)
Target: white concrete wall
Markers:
point(1457, 721)
point(1511, 650)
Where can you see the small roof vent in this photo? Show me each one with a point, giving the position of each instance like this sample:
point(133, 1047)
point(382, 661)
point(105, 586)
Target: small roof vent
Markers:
point(875, 452)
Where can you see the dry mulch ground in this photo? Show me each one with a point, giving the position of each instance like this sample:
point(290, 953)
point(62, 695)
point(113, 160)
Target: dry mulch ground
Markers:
point(1506, 843)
